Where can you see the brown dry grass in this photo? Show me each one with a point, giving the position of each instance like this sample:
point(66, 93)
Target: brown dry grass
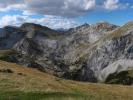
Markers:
point(32, 80)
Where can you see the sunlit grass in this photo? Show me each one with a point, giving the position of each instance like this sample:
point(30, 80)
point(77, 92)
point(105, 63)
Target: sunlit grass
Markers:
point(29, 84)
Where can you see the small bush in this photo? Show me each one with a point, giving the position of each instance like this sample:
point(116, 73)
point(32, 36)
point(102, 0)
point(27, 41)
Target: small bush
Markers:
point(6, 71)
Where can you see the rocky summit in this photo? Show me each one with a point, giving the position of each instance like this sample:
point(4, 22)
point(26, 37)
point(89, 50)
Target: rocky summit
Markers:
point(94, 53)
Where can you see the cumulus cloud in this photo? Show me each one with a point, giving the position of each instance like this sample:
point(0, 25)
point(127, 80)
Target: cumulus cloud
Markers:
point(57, 13)
point(64, 8)
point(6, 3)
point(50, 21)
point(11, 4)
point(111, 4)
point(12, 20)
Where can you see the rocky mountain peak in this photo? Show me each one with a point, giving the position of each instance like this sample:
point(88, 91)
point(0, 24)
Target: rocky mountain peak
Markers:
point(10, 28)
point(129, 24)
point(98, 27)
point(35, 29)
point(32, 26)
point(79, 28)
point(84, 25)
point(104, 26)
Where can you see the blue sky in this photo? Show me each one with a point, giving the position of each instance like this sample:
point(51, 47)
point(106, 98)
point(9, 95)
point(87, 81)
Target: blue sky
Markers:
point(118, 17)
point(65, 13)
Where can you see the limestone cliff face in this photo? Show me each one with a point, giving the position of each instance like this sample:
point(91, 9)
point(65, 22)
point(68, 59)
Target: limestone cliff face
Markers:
point(37, 46)
point(86, 53)
point(112, 52)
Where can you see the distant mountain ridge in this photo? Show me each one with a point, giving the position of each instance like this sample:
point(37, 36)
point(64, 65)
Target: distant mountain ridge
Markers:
point(1, 32)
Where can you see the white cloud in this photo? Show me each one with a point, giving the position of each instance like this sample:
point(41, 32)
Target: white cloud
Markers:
point(57, 13)
point(79, 4)
point(11, 4)
point(58, 22)
point(111, 4)
point(50, 21)
point(64, 8)
point(12, 20)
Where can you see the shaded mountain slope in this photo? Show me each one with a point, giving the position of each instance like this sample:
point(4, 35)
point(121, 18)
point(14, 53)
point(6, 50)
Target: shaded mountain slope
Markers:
point(10, 36)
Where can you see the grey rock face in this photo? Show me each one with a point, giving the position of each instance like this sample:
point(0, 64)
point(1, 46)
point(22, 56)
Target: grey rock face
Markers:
point(38, 45)
point(111, 49)
point(81, 38)
point(88, 61)
point(88, 53)
point(116, 67)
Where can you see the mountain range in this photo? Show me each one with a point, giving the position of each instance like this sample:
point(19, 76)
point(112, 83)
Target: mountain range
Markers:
point(101, 52)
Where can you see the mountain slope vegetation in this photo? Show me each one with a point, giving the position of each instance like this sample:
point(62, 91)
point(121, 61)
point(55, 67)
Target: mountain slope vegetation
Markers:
point(19, 82)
